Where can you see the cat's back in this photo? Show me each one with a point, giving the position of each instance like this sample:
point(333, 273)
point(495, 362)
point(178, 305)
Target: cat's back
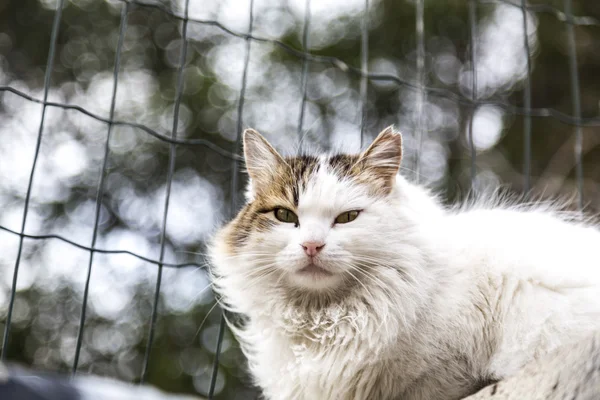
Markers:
point(538, 273)
point(536, 244)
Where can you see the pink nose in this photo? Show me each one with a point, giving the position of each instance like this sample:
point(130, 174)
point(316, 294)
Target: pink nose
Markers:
point(312, 248)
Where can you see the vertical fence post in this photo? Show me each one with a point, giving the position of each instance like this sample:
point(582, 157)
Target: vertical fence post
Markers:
point(234, 187)
point(304, 79)
point(364, 69)
point(420, 30)
point(100, 190)
point(576, 99)
point(473, 24)
point(527, 104)
point(47, 79)
point(170, 172)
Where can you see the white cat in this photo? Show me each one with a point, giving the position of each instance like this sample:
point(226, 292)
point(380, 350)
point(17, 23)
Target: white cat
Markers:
point(357, 284)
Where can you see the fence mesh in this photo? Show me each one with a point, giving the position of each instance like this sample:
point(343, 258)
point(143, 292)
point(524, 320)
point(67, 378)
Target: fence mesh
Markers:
point(307, 57)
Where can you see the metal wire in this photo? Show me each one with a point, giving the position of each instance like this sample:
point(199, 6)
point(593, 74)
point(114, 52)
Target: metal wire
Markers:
point(440, 92)
point(234, 187)
point(473, 25)
point(215, 370)
point(100, 192)
point(151, 132)
point(527, 103)
point(542, 112)
point(549, 9)
point(537, 8)
point(170, 172)
point(420, 29)
point(97, 250)
point(576, 99)
point(305, 64)
point(364, 59)
point(47, 78)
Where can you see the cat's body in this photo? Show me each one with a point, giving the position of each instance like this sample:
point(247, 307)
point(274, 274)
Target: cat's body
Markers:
point(407, 301)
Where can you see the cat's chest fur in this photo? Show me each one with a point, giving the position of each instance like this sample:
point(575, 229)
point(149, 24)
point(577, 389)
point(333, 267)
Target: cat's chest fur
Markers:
point(349, 354)
point(337, 360)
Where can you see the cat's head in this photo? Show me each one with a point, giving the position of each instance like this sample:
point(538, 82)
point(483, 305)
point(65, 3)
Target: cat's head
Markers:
point(314, 224)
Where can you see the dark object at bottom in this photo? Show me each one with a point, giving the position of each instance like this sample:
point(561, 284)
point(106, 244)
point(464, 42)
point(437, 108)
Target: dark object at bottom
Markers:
point(21, 384)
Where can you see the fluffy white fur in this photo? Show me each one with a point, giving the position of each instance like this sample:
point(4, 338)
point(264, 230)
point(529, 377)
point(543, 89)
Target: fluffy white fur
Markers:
point(424, 302)
point(570, 372)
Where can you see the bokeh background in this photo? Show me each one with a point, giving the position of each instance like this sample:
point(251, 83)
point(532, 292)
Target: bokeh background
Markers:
point(436, 123)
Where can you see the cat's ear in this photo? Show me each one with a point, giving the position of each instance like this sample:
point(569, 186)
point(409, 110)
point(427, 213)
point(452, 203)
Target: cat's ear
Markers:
point(382, 159)
point(262, 160)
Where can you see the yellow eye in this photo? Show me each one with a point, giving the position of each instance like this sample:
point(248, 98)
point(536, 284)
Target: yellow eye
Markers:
point(285, 215)
point(346, 217)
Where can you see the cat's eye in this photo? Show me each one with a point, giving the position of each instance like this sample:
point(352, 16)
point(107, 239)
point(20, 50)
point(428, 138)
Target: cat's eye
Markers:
point(346, 217)
point(285, 215)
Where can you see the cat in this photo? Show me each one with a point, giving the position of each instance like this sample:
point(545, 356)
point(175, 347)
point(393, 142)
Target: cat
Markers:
point(355, 283)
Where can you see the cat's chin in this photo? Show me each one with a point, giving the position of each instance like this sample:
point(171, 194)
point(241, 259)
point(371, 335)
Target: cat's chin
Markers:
point(313, 277)
point(314, 270)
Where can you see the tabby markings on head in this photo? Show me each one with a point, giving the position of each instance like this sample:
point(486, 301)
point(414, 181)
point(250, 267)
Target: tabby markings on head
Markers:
point(279, 182)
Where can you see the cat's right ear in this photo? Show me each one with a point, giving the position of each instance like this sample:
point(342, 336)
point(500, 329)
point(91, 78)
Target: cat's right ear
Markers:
point(381, 161)
point(262, 160)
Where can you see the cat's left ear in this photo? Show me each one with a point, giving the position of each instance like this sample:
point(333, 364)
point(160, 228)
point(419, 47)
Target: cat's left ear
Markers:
point(381, 161)
point(262, 160)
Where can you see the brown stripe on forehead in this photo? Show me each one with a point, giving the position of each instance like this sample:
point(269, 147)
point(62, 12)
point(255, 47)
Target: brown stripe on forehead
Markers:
point(347, 166)
point(303, 167)
point(283, 191)
point(342, 164)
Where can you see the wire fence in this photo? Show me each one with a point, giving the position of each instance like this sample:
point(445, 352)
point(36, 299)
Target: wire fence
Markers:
point(575, 120)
